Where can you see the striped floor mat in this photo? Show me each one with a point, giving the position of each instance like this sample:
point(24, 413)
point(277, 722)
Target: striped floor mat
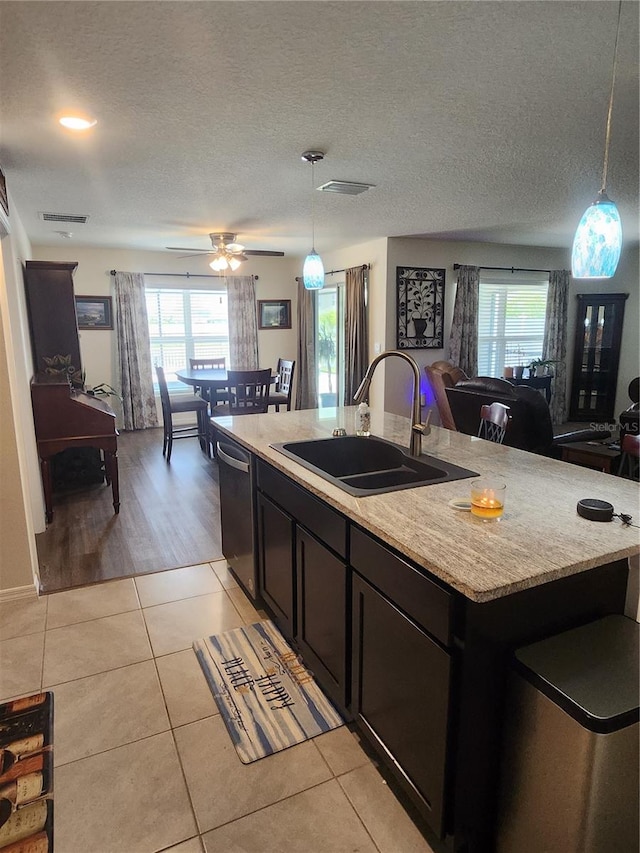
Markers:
point(267, 699)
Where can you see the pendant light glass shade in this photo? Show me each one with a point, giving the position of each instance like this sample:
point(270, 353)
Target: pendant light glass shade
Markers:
point(598, 241)
point(313, 271)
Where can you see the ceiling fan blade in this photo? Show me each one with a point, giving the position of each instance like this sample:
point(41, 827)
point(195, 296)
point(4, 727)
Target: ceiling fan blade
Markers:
point(266, 254)
point(185, 249)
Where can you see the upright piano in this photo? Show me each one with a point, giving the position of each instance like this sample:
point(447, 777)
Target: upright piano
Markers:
point(64, 418)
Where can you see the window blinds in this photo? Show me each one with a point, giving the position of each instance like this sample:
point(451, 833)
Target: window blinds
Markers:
point(186, 323)
point(511, 316)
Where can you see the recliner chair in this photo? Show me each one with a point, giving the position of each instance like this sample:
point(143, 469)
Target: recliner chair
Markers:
point(443, 375)
point(530, 427)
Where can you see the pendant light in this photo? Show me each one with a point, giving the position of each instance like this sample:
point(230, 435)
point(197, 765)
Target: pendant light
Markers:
point(313, 269)
point(598, 240)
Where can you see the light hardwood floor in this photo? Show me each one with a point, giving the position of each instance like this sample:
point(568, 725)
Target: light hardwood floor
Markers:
point(169, 517)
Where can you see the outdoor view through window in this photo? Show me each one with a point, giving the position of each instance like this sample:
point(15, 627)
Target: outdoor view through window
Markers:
point(186, 324)
point(329, 345)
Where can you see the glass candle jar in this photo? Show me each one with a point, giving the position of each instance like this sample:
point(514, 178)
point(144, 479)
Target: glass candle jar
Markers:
point(487, 498)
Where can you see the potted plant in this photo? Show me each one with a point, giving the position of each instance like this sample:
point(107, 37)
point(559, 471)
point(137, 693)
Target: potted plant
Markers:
point(540, 366)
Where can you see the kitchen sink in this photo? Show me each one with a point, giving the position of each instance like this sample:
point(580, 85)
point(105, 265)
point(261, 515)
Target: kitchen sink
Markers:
point(369, 466)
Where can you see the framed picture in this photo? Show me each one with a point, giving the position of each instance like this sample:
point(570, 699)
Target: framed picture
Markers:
point(420, 307)
point(94, 312)
point(274, 313)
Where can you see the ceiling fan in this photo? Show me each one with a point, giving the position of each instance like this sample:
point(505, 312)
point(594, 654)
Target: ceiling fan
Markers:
point(227, 254)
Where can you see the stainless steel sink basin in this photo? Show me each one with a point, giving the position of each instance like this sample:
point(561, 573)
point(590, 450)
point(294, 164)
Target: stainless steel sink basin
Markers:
point(369, 466)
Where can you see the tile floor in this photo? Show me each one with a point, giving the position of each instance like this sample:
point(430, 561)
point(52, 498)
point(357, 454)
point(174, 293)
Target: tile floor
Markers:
point(143, 760)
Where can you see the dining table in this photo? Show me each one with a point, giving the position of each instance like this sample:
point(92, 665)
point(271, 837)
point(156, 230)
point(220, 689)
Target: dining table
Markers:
point(209, 380)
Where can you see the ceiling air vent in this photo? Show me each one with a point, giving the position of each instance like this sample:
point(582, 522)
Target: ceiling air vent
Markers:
point(75, 218)
point(345, 187)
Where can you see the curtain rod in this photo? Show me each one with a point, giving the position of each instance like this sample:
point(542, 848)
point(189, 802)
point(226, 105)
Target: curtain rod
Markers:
point(183, 274)
point(504, 269)
point(333, 272)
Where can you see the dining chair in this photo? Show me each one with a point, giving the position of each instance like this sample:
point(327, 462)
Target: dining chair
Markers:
point(284, 385)
point(221, 395)
point(494, 420)
point(630, 459)
point(177, 405)
point(249, 392)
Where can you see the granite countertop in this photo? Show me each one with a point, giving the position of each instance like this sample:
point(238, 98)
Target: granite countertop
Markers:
point(540, 538)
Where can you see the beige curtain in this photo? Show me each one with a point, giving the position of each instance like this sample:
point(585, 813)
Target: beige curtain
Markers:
point(356, 333)
point(463, 339)
point(134, 352)
point(243, 324)
point(306, 390)
point(555, 342)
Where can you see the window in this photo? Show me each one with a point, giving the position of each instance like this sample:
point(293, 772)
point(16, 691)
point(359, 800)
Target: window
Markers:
point(511, 315)
point(186, 324)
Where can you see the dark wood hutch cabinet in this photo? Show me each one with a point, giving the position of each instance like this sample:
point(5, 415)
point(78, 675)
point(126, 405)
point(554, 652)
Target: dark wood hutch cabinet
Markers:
point(596, 355)
point(52, 313)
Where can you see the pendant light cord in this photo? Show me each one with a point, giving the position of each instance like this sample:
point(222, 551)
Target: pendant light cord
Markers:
point(605, 166)
point(313, 218)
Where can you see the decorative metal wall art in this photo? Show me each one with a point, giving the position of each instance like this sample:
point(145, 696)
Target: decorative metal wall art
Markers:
point(420, 307)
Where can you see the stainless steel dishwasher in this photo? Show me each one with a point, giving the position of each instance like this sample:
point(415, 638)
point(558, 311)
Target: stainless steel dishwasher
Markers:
point(237, 512)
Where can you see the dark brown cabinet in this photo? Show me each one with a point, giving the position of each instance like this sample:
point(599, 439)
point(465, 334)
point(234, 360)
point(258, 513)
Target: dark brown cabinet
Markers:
point(376, 637)
point(52, 316)
point(400, 696)
point(276, 576)
point(321, 580)
point(302, 581)
point(596, 355)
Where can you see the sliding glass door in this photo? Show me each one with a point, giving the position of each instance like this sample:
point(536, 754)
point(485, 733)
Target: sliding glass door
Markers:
point(330, 345)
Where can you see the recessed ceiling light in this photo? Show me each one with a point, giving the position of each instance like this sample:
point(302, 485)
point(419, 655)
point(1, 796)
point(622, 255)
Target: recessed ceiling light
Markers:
point(77, 122)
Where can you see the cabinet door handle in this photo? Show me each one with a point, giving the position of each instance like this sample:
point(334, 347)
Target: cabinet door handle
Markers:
point(229, 460)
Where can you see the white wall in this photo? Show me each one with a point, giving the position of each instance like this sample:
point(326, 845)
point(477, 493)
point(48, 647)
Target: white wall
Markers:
point(21, 491)
point(98, 348)
point(443, 254)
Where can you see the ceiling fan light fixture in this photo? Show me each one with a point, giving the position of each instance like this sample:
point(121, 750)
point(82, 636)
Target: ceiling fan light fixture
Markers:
point(234, 263)
point(598, 239)
point(313, 268)
point(219, 263)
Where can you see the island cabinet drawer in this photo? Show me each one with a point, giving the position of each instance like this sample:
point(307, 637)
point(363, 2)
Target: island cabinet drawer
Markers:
point(318, 518)
point(423, 600)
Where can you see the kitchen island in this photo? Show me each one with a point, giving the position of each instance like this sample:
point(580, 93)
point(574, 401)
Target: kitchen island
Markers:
point(408, 611)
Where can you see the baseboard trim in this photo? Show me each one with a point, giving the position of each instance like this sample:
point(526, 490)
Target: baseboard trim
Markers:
point(17, 592)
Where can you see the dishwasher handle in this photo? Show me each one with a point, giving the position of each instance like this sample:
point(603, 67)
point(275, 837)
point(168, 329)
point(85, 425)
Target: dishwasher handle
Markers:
point(238, 464)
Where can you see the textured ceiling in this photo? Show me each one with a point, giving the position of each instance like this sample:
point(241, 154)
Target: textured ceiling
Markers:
point(474, 120)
